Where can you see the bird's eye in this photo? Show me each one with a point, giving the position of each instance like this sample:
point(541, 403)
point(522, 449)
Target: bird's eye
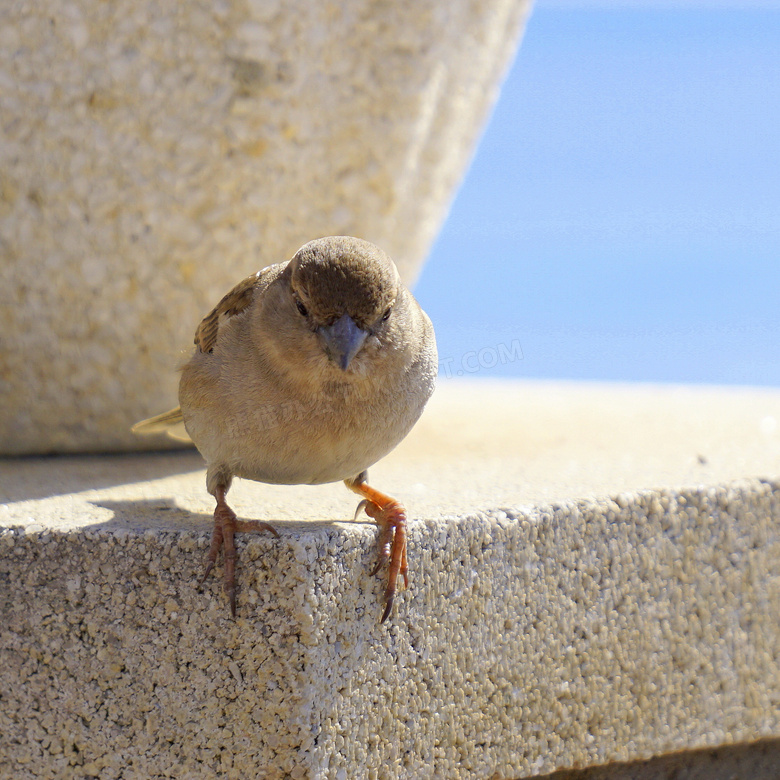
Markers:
point(301, 308)
point(386, 315)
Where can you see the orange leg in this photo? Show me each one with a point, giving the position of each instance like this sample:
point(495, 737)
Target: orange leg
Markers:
point(225, 527)
point(390, 516)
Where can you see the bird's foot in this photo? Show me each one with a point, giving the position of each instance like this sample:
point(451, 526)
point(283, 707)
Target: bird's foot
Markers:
point(225, 527)
point(390, 517)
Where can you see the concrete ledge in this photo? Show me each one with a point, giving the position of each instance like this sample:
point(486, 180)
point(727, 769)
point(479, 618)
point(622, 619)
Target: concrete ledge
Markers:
point(537, 635)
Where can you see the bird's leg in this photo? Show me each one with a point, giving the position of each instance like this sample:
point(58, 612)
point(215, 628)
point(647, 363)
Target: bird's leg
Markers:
point(390, 516)
point(225, 526)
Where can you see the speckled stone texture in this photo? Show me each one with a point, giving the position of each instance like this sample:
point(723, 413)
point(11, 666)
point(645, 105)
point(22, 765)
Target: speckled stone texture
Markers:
point(538, 633)
point(153, 154)
point(569, 635)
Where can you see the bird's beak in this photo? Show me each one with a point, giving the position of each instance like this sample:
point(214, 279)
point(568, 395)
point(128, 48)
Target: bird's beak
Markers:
point(343, 340)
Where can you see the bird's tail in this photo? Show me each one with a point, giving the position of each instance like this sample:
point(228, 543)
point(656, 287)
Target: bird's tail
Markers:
point(170, 423)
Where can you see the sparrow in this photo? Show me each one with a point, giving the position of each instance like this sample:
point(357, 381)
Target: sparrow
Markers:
point(307, 372)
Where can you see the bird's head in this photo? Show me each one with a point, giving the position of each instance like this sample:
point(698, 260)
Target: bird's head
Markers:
point(337, 300)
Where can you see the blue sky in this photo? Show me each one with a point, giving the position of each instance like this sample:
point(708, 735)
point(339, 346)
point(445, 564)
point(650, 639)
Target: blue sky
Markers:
point(621, 217)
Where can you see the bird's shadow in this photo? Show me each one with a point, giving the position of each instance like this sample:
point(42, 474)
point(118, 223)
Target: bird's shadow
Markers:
point(163, 514)
point(151, 514)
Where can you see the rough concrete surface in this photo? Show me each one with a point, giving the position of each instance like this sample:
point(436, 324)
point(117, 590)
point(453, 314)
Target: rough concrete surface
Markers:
point(594, 577)
point(154, 153)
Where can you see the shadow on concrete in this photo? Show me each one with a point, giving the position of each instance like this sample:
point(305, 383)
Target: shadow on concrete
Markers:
point(139, 515)
point(27, 478)
point(753, 761)
point(154, 514)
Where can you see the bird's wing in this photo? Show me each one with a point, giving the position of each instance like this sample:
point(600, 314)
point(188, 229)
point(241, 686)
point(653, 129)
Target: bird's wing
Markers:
point(171, 423)
point(236, 301)
point(231, 304)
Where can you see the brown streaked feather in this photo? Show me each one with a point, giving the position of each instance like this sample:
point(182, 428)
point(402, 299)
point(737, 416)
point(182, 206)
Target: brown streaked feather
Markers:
point(231, 304)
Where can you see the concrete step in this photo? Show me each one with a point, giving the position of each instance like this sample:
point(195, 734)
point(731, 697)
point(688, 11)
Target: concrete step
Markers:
point(594, 577)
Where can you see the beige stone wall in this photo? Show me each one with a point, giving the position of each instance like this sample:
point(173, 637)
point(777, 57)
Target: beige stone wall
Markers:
point(153, 153)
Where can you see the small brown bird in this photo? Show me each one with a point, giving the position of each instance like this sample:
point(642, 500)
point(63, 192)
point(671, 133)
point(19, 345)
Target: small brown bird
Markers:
point(308, 372)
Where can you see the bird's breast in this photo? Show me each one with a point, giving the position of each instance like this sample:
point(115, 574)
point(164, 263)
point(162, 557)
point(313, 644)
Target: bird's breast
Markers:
point(310, 427)
point(314, 442)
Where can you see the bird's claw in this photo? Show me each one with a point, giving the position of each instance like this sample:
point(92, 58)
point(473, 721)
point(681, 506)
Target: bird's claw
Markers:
point(391, 520)
point(223, 537)
point(360, 507)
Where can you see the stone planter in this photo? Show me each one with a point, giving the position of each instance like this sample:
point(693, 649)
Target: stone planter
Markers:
point(152, 154)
